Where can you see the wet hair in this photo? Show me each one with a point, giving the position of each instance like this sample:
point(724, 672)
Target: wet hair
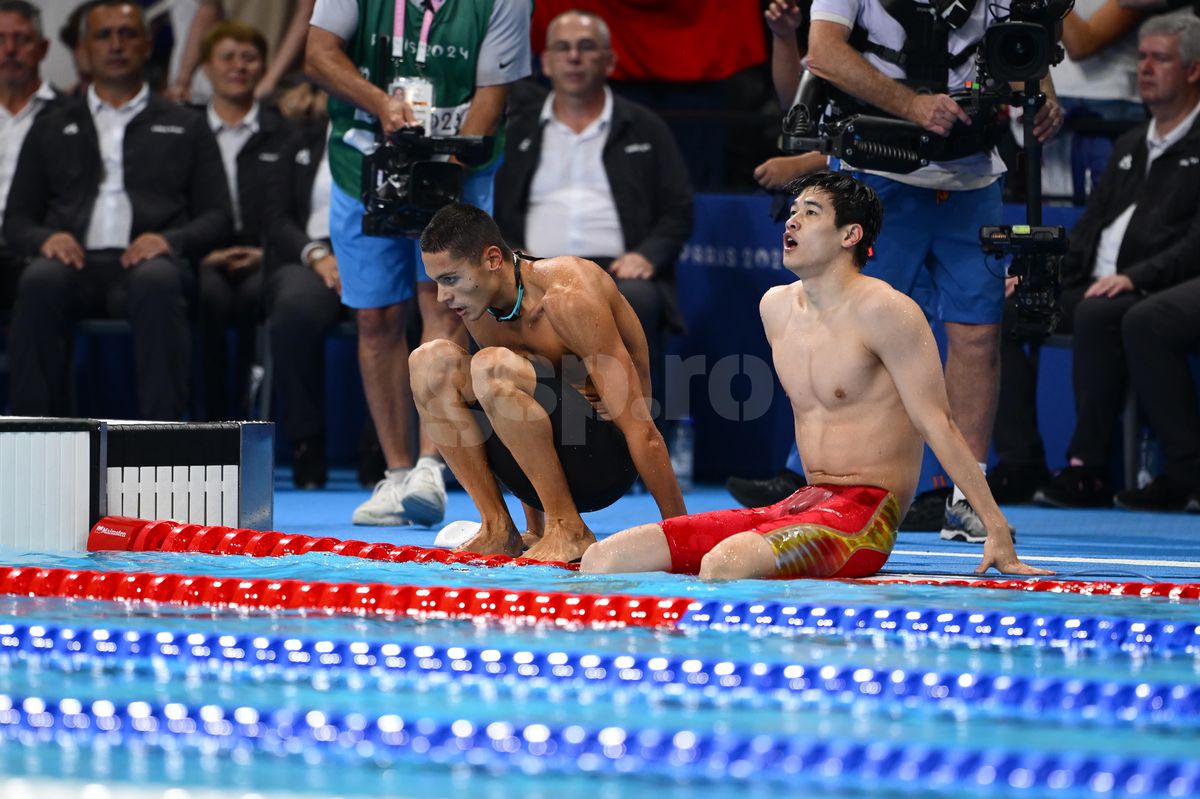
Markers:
point(26, 10)
point(1185, 26)
point(464, 231)
point(854, 203)
point(239, 32)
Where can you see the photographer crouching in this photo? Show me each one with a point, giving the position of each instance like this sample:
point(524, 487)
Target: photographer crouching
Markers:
point(443, 66)
point(901, 59)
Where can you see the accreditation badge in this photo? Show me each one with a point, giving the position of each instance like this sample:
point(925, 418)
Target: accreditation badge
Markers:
point(418, 93)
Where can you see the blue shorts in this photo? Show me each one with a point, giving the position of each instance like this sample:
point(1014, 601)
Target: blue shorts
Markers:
point(930, 250)
point(376, 271)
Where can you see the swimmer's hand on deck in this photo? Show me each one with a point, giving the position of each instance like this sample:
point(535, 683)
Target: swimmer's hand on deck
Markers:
point(998, 551)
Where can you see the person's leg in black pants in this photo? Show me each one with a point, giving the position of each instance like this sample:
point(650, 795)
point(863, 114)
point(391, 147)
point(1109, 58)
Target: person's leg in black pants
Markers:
point(1159, 334)
point(1098, 375)
point(154, 296)
point(1021, 469)
point(301, 310)
point(216, 313)
point(49, 298)
point(1100, 379)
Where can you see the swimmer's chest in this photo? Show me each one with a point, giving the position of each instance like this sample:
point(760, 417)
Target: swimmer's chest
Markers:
point(531, 336)
point(824, 365)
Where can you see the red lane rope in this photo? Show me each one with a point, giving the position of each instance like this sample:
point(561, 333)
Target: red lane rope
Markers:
point(348, 598)
point(123, 534)
point(118, 533)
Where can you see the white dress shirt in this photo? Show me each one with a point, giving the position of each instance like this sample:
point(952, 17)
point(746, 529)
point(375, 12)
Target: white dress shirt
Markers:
point(571, 207)
point(112, 214)
point(1110, 240)
point(231, 138)
point(13, 129)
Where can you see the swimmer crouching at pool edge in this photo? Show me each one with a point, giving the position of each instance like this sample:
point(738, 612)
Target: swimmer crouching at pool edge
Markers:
point(556, 403)
point(860, 366)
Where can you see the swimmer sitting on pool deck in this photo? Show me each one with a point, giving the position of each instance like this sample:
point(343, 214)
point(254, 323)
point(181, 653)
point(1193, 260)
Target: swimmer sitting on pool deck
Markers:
point(859, 363)
point(562, 379)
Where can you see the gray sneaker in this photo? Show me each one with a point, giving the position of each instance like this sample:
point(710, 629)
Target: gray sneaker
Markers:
point(424, 495)
point(386, 505)
point(962, 523)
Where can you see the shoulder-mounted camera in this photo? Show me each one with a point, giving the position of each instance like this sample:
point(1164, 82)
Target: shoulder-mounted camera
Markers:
point(408, 178)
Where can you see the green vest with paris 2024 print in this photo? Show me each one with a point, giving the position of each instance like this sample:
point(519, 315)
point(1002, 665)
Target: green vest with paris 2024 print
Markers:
point(457, 31)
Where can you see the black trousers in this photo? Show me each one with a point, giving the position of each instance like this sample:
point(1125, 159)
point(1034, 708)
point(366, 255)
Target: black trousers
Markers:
point(152, 295)
point(1099, 378)
point(1159, 333)
point(228, 299)
point(301, 312)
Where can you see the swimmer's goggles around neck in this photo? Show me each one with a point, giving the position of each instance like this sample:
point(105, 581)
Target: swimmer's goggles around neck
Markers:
point(516, 311)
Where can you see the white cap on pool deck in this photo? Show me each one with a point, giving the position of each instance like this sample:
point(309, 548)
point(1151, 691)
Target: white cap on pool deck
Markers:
point(456, 533)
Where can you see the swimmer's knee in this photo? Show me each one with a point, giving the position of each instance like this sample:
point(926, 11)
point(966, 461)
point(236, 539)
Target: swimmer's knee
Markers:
point(431, 367)
point(741, 556)
point(599, 559)
point(494, 368)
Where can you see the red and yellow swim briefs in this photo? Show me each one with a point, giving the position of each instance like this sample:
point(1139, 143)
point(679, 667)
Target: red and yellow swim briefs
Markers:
point(820, 531)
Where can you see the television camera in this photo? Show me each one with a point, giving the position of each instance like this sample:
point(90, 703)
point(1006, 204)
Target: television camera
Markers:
point(404, 183)
point(1017, 48)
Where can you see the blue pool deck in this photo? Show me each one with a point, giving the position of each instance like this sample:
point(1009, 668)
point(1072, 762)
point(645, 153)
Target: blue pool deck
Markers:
point(1084, 544)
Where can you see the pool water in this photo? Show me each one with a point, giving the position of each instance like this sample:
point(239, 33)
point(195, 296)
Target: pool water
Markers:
point(1039, 726)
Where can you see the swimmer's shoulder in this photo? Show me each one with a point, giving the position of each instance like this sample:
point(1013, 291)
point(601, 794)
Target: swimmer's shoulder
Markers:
point(877, 299)
point(575, 289)
point(778, 303)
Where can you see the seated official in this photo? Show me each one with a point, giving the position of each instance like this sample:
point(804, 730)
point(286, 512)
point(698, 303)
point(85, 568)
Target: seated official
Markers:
point(1139, 235)
point(859, 363)
point(114, 194)
point(254, 141)
point(303, 291)
point(554, 406)
point(591, 173)
point(24, 96)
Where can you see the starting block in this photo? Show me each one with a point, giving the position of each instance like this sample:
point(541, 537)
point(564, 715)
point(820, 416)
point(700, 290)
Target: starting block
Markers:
point(58, 477)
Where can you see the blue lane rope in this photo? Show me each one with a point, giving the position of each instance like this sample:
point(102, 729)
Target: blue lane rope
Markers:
point(1109, 635)
point(717, 682)
point(535, 748)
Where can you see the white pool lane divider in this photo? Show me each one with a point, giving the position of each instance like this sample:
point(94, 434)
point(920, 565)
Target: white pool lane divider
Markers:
point(58, 477)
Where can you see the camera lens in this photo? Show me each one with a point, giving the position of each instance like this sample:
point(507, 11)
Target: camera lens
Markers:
point(1018, 50)
point(1021, 51)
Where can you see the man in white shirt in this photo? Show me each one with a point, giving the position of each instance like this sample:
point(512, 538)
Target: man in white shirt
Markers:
point(23, 96)
point(254, 142)
point(113, 195)
point(1138, 236)
point(595, 174)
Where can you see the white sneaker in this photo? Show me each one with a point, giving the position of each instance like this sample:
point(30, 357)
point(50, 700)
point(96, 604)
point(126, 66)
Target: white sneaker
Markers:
point(424, 494)
point(386, 505)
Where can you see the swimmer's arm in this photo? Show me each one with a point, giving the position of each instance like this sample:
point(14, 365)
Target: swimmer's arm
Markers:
point(896, 331)
point(772, 309)
point(590, 332)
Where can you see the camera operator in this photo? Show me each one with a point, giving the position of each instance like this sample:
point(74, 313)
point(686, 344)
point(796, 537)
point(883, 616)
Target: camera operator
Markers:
point(933, 214)
point(449, 61)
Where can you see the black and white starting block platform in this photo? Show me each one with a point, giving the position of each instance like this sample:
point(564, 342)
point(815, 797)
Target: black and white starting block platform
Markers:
point(58, 477)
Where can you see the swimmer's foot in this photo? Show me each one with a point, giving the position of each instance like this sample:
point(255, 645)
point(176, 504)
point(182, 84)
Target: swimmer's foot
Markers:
point(562, 543)
point(530, 538)
point(494, 538)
